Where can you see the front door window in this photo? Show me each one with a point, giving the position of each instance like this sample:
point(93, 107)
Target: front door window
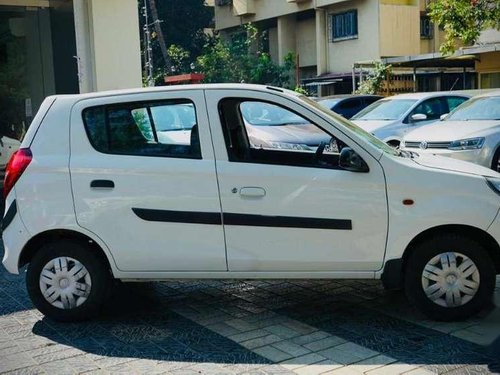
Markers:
point(266, 133)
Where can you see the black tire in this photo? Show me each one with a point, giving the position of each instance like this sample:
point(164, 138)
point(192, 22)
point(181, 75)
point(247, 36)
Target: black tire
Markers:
point(101, 280)
point(495, 162)
point(425, 251)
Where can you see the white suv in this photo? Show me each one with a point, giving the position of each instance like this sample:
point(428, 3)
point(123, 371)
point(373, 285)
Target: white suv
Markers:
point(163, 183)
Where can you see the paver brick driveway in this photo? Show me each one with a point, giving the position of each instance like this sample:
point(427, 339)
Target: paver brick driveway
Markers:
point(246, 327)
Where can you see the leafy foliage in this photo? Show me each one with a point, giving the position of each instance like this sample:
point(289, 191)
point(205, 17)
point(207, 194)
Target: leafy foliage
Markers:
point(182, 23)
point(373, 84)
point(464, 20)
point(243, 60)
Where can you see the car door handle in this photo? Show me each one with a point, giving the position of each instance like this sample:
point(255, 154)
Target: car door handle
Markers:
point(102, 184)
point(252, 192)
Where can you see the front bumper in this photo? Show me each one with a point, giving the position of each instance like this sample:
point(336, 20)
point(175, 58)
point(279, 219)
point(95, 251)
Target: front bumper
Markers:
point(15, 236)
point(478, 156)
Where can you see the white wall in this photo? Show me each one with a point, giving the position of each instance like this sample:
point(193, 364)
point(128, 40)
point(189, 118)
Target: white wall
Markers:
point(489, 36)
point(108, 44)
point(306, 42)
point(342, 54)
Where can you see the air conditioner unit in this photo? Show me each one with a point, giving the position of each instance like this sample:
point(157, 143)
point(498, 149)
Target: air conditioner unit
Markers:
point(221, 3)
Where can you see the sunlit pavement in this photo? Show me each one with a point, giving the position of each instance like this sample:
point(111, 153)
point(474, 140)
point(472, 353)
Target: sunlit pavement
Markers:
point(246, 327)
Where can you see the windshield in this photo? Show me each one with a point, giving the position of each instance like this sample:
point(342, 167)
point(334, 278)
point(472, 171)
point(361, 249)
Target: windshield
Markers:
point(385, 109)
point(485, 108)
point(352, 127)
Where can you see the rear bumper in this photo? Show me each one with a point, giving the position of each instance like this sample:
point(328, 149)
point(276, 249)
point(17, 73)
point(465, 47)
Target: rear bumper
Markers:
point(15, 236)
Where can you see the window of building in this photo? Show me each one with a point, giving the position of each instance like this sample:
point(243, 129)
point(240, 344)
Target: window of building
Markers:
point(344, 25)
point(490, 80)
point(265, 133)
point(426, 27)
point(166, 128)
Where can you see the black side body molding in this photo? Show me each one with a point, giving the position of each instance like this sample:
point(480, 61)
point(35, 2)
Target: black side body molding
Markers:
point(241, 219)
point(286, 222)
point(10, 215)
point(179, 216)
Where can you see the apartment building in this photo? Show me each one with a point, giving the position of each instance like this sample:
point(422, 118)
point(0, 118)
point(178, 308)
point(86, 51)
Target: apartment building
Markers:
point(63, 47)
point(337, 39)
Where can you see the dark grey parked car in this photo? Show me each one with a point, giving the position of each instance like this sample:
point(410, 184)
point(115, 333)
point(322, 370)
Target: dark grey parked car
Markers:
point(348, 105)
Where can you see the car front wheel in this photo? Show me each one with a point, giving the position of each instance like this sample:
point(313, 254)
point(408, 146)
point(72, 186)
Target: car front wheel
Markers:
point(449, 277)
point(68, 281)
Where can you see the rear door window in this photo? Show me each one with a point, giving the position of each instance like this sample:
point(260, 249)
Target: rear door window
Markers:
point(162, 128)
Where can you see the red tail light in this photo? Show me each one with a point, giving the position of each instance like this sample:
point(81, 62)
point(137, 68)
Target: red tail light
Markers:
point(18, 162)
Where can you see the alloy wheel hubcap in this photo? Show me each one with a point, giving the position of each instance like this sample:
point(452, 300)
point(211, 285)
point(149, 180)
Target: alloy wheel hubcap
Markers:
point(450, 279)
point(65, 283)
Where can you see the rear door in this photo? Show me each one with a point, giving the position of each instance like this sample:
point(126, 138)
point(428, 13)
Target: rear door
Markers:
point(143, 180)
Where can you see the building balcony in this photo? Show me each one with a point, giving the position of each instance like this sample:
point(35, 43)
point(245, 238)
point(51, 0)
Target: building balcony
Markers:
point(243, 7)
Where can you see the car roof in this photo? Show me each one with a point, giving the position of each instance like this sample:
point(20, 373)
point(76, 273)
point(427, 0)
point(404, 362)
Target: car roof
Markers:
point(347, 96)
point(206, 86)
point(489, 94)
point(426, 95)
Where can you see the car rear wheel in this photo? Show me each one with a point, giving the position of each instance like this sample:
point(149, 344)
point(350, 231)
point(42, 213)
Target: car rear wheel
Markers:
point(449, 277)
point(68, 281)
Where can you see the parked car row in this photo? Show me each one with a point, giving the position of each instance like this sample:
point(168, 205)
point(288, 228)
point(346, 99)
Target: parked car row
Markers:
point(441, 123)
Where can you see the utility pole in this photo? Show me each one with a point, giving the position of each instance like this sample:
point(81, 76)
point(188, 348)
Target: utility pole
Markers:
point(148, 50)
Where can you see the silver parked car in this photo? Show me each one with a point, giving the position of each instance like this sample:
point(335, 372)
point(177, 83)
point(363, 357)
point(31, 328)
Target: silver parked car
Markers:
point(392, 118)
point(471, 133)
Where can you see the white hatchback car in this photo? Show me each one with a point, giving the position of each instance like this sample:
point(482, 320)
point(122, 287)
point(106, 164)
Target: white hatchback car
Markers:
point(95, 193)
point(471, 133)
point(390, 119)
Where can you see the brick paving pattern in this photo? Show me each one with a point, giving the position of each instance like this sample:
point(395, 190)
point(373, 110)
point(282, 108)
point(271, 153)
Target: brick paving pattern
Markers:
point(246, 327)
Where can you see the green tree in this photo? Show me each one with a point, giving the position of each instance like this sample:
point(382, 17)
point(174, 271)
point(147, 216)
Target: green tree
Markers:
point(243, 60)
point(464, 20)
point(373, 83)
point(182, 24)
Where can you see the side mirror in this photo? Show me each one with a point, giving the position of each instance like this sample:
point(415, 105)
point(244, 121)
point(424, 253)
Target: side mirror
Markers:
point(351, 161)
point(443, 116)
point(418, 117)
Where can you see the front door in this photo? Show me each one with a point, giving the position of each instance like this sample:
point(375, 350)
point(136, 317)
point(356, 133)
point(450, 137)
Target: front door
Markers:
point(143, 180)
point(287, 206)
